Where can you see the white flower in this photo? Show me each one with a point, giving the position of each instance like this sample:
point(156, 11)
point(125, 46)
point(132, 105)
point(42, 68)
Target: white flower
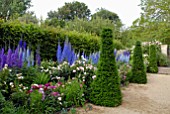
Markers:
point(6, 65)
point(58, 78)
point(82, 94)
point(46, 70)
point(25, 88)
point(11, 83)
point(60, 103)
point(35, 85)
point(74, 71)
point(4, 82)
point(78, 68)
point(59, 98)
point(20, 85)
point(83, 80)
point(85, 73)
point(58, 67)
point(10, 70)
point(65, 62)
point(63, 86)
point(18, 74)
point(81, 68)
point(21, 77)
point(41, 89)
point(94, 76)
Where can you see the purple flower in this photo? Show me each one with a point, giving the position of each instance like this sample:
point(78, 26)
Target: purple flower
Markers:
point(55, 94)
point(59, 53)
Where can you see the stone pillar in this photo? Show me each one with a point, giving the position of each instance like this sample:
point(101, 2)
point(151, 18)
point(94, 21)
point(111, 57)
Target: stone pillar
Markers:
point(164, 49)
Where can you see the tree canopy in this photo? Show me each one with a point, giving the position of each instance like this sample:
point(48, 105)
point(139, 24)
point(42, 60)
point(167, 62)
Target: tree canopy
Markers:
point(106, 14)
point(71, 10)
point(13, 8)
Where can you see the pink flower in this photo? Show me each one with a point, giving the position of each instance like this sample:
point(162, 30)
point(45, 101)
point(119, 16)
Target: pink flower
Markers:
point(55, 94)
point(29, 91)
point(52, 87)
point(48, 84)
point(81, 85)
point(35, 86)
point(41, 86)
point(59, 83)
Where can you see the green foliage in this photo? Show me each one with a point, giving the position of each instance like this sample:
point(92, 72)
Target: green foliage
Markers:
point(11, 32)
point(118, 45)
point(105, 14)
point(73, 92)
point(13, 8)
point(28, 17)
point(41, 78)
point(106, 87)
point(19, 99)
point(54, 22)
point(93, 26)
point(71, 10)
point(138, 69)
point(163, 60)
point(153, 67)
point(36, 102)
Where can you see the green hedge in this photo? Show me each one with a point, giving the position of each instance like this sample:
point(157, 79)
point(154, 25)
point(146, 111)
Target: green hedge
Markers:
point(153, 67)
point(138, 69)
point(106, 87)
point(47, 38)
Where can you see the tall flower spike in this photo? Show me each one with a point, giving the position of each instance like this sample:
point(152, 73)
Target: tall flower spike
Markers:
point(59, 53)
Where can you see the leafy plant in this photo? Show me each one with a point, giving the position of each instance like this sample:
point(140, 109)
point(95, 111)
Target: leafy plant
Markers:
point(41, 78)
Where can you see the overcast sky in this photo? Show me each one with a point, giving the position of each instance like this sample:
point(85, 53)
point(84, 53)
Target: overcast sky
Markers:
point(127, 10)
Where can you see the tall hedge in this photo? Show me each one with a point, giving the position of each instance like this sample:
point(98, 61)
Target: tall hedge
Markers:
point(106, 86)
point(47, 38)
point(138, 68)
point(153, 67)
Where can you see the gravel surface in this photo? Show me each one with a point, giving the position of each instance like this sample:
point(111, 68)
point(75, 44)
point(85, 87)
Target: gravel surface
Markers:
point(151, 98)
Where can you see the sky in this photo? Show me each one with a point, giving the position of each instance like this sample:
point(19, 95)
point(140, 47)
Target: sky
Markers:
point(127, 10)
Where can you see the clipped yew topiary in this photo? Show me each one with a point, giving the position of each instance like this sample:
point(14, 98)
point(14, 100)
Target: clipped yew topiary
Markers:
point(106, 86)
point(138, 68)
point(153, 67)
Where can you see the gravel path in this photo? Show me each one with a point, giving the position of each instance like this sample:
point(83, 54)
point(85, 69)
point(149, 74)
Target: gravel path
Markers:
point(152, 98)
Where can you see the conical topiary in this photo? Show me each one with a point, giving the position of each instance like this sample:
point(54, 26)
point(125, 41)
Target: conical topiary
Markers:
point(153, 67)
point(138, 68)
point(106, 86)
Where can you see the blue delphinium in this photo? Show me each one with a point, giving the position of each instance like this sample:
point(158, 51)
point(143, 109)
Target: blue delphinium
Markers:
point(59, 52)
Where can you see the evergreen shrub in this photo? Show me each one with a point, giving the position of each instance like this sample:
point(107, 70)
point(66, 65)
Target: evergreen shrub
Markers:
point(153, 67)
point(106, 86)
point(138, 68)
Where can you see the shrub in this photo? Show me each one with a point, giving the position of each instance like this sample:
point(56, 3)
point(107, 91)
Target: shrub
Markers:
point(163, 60)
point(106, 86)
point(138, 69)
point(153, 67)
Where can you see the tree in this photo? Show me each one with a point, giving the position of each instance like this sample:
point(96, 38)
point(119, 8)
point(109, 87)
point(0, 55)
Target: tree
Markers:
point(71, 10)
point(106, 86)
point(158, 11)
point(11, 9)
point(113, 17)
point(106, 14)
point(29, 17)
point(153, 67)
point(138, 68)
